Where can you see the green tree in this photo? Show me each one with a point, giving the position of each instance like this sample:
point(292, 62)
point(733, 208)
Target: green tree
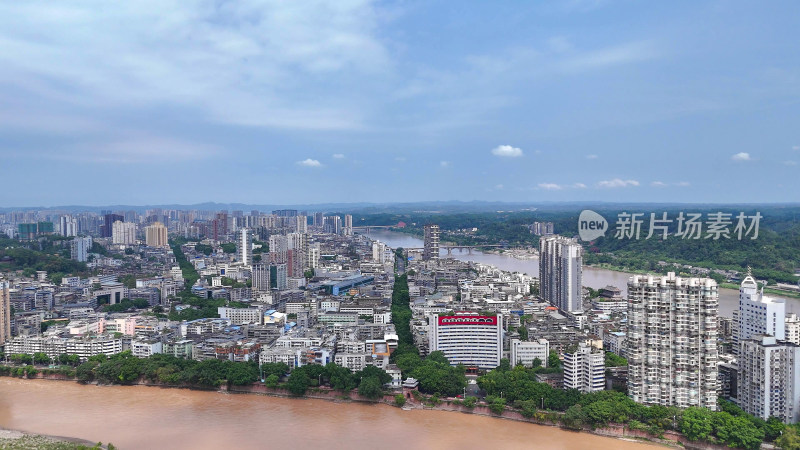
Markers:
point(773, 428)
point(697, 423)
point(271, 381)
point(497, 405)
point(553, 360)
point(789, 440)
point(614, 360)
point(574, 418)
point(229, 247)
point(85, 371)
point(41, 358)
point(400, 400)
point(298, 382)
point(470, 402)
point(371, 388)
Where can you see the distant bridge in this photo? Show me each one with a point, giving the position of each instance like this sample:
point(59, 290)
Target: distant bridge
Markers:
point(461, 248)
point(368, 227)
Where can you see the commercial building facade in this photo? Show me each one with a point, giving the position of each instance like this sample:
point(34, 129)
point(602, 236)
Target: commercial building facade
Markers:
point(472, 340)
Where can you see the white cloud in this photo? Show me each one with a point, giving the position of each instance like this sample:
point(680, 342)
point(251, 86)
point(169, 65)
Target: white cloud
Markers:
point(550, 186)
point(507, 151)
point(610, 56)
point(616, 183)
point(400, 159)
point(240, 63)
point(683, 184)
point(796, 147)
point(559, 44)
point(444, 163)
point(658, 184)
point(499, 187)
point(742, 156)
point(308, 162)
point(579, 186)
point(591, 156)
point(790, 163)
point(338, 156)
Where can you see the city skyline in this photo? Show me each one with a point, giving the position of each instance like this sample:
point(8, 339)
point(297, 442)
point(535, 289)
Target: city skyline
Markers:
point(577, 100)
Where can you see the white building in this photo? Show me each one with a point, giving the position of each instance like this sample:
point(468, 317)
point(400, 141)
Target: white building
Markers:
point(614, 341)
point(672, 341)
point(524, 353)
point(792, 328)
point(769, 378)
point(244, 247)
point(144, 348)
point(81, 246)
point(472, 340)
point(378, 251)
point(759, 314)
point(584, 369)
point(68, 226)
point(560, 272)
point(123, 233)
point(239, 316)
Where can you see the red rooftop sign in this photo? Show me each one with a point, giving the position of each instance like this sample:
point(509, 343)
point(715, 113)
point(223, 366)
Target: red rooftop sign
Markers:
point(467, 320)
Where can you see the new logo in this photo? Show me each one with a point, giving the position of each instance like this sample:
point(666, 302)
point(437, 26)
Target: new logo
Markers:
point(591, 225)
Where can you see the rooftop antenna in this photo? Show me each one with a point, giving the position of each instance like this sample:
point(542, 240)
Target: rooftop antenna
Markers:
point(749, 271)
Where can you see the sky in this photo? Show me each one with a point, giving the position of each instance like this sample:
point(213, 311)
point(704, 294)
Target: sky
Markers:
point(289, 102)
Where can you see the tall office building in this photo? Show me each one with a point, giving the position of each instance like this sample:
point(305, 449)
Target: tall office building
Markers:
point(430, 250)
point(278, 246)
point(260, 277)
point(318, 220)
point(123, 233)
point(301, 224)
point(156, 235)
point(5, 313)
point(81, 246)
point(560, 272)
point(768, 382)
point(68, 226)
point(348, 225)
point(333, 225)
point(277, 276)
point(313, 255)
point(758, 314)
point(672, 341)
point(106, 229)
point(244, 247)
point(584, 369)
point(219, 226)
point(378, 252)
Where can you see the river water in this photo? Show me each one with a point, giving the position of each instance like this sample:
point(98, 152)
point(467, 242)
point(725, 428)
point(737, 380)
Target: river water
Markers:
point(592, 276)
point(139, 417)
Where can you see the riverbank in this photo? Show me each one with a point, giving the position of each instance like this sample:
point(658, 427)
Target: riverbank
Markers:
point(15, 439)
point(421, 402)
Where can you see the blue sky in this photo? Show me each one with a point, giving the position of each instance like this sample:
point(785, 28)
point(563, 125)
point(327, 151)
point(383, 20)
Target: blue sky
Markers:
point(156, 102)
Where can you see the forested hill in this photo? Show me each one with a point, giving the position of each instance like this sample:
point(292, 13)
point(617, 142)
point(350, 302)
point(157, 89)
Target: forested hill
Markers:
point(774, 255)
